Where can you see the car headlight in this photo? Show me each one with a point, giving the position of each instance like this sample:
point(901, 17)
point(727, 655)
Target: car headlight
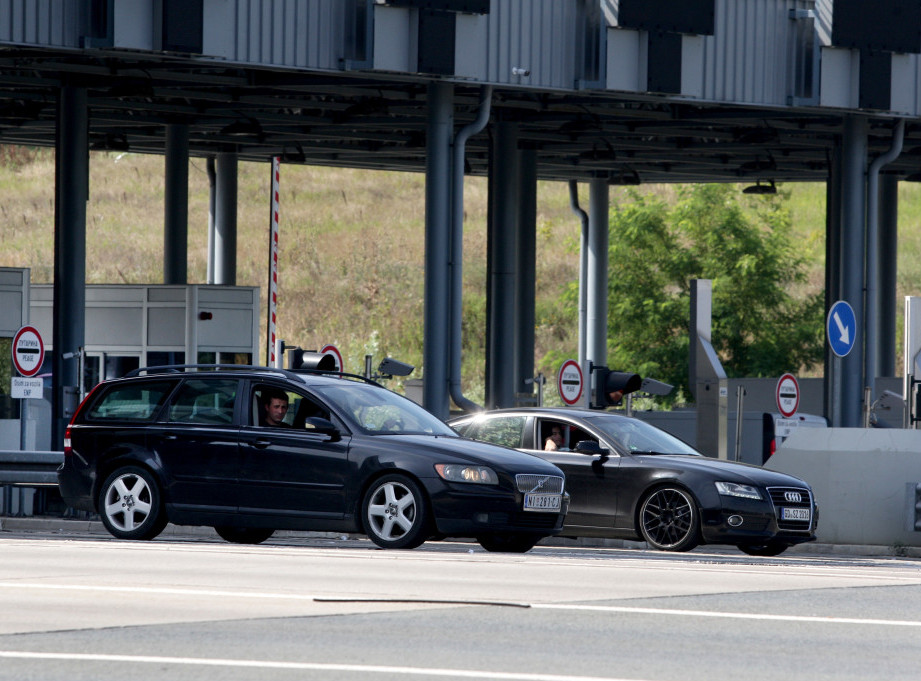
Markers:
point(734, 489)
point(459, 472)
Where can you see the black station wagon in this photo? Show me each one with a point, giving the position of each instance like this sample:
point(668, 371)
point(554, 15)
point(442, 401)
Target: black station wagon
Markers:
point(195, 447)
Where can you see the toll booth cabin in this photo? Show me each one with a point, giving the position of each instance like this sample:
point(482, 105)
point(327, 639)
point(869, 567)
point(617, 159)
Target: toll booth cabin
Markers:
point(130, 326)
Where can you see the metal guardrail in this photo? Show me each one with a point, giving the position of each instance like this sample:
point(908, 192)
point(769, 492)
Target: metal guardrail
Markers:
point(29, 468)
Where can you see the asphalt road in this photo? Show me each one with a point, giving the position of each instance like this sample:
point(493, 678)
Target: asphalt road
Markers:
point(87, 607)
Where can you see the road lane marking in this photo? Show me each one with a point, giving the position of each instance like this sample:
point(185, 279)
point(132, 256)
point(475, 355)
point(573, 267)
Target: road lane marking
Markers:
point(726, 615)
point(303, 666)
point(214, 593)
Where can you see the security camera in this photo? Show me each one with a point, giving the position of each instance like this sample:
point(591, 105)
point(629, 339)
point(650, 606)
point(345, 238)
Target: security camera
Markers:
point(392, 367)
point(518, 71)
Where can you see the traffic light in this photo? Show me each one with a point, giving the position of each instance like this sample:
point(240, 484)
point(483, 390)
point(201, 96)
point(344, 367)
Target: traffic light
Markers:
point(611, 386)
point(315, 361)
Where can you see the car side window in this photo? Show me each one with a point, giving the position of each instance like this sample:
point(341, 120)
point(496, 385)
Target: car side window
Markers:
point(204, 401)
point(131, 402)
point(506, 431)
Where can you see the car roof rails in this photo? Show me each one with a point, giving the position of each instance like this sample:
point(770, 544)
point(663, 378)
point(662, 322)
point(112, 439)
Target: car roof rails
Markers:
point(289, 373)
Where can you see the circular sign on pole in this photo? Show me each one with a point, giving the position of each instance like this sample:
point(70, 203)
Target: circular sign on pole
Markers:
point(28, 351)
point(569, 382)
point(841, 328)
point(787, 395)
point(333, 351)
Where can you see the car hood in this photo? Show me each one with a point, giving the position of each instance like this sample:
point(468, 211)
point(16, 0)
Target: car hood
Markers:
point(728, 471)
point(470, 451)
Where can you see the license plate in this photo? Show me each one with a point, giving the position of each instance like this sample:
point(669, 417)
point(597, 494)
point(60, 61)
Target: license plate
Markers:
point(542, 502)
point(796, 514)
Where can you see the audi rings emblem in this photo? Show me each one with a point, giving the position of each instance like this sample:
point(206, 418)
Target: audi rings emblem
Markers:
point(793, 497)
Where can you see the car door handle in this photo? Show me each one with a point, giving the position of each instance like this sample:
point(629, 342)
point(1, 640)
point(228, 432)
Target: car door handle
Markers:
point(261, 444)
point(170, 436)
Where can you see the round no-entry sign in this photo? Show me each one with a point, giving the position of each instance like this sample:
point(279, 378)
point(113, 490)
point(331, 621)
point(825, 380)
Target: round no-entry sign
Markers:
point(28, 351)
point(569, 382)
point(787, 395)
point(336, 355)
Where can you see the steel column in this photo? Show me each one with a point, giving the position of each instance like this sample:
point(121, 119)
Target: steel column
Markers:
point(225, 220)
point(176, 206)
point(888, 251)
point(832, 407)
point(596, 349)
point(500, 331)
point(439, 130)
point(71, 189)
point(525, 281)
point(853, 252)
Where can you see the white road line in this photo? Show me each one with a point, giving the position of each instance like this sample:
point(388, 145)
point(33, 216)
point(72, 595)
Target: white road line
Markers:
point(727, 615)
point(421, 601)
point(303, 666)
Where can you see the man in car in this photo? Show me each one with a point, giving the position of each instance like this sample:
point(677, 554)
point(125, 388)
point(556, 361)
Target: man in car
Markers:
point(274, 408)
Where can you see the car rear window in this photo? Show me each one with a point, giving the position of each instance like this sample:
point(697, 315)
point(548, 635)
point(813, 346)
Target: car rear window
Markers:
point(130, 402)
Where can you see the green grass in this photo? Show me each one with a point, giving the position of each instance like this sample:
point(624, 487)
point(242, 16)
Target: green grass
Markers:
point(351, 246)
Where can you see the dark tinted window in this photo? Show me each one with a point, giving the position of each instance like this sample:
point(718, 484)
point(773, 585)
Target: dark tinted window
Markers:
point(506, 431)
point(204, 401)
point(131, 402)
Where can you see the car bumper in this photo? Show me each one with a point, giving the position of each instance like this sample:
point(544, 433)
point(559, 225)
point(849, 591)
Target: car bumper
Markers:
point(75, 487)
point(743, 522)
point(468, 511)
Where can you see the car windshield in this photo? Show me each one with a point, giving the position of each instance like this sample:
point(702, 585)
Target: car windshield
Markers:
point(638, 437)
point(377, 411)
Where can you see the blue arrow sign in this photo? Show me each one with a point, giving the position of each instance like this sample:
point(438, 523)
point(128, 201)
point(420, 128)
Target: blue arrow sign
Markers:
point(841, 328)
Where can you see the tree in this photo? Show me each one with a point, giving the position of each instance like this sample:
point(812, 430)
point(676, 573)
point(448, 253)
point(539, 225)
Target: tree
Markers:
point(764, 323)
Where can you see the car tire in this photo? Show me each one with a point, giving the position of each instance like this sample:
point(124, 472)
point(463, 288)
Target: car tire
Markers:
point(507, 543)
point(669, 519)
point(395, 513)
point(243, 535)
point(771, 548)
point(131, 505)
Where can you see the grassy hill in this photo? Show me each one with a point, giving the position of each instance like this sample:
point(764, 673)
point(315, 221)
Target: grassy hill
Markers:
point(351, 246)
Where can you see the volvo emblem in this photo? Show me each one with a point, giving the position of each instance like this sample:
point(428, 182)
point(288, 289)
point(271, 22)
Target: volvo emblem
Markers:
point(540, 483)
point(793, 497)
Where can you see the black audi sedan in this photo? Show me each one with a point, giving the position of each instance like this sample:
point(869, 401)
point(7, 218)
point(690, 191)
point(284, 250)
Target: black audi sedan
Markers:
point(631, 480)
point(250, 450)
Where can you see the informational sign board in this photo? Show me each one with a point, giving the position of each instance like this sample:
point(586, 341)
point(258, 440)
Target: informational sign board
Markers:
point(334, 352)
point(27, 388)
point(787, 395)
point(570, 382)
point(28, 351)
point(841, 328)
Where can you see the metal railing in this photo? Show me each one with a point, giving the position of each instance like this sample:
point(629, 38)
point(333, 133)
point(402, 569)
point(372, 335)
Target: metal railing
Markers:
point(29, 468)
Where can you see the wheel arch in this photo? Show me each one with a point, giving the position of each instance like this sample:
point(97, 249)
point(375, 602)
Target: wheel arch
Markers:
point(108, 465)
point(655, 487)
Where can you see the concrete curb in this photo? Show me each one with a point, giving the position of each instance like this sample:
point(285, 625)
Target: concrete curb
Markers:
point(73, 527)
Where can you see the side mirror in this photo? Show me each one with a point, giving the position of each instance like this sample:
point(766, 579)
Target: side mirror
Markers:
point(317, 424)
point(590, 447)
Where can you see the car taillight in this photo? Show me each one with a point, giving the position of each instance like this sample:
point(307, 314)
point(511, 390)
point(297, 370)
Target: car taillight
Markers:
point(68, 450)
point(773, 448)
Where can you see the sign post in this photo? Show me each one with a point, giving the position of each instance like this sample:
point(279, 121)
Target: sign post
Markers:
point(570, 382)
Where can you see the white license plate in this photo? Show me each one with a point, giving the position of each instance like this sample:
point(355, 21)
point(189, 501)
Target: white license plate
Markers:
point(542, 502)
point(796, 514)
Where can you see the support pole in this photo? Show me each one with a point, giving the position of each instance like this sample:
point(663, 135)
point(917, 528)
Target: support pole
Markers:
point(597, 275)
point(225, 219)
point(71, 188)
point(176, 206)
point(500, 333)
point(853, 251)
point(439, 128)
point(888, 253)
point(526, 276)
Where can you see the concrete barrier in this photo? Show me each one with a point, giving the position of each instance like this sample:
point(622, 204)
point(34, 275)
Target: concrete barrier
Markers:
point(864, 482)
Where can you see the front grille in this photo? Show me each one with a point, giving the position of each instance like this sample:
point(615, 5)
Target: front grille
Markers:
point(539, 484)
point(792, 497)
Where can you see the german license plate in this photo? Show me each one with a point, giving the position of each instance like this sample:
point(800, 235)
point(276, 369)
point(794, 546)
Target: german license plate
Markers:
point(542, 502)
point(796, 514)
